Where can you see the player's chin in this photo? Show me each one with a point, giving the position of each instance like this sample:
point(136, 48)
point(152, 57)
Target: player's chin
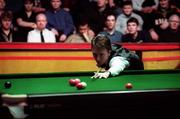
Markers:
point(99, 65)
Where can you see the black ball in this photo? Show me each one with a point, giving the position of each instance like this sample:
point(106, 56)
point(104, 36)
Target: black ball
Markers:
point(7, 84)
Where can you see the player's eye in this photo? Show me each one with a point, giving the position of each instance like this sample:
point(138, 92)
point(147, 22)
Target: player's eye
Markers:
point(94, 54)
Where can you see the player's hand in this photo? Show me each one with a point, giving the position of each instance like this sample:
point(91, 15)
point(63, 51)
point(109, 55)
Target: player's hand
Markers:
point(101, 75)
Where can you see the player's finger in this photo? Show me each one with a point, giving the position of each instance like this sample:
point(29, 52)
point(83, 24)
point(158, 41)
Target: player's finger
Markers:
point(92, 77)
point(95, 73)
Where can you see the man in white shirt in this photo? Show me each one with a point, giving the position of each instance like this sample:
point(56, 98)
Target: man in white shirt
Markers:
point(41, 33)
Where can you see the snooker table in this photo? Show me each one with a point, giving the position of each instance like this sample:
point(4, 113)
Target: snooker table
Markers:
point(155, 94)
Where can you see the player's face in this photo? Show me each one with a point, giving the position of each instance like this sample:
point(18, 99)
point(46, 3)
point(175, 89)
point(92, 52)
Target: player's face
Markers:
point(110, 22)
point(101, 56)
point(127, 9)
point(41, 22)
point(6, 24)
point(174, 23)
point(56, 4)
point(132, 28)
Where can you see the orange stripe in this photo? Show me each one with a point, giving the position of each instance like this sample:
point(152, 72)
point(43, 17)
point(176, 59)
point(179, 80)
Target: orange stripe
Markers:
point(162, 58)
point(44, 58)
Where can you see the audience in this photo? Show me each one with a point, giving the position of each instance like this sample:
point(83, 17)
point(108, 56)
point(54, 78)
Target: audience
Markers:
point(26, 20)
point(109, 31)
point(145, 6)
point(161, 15)
point(41, 33)
point(2, 6)
point(64, 17)
point(95, 12)
point(59, 21)
point(7, 34)
point(83, 35)
point(121, 23)
point(14, 5)
point(135, 35)
point(40, 5)
point(172, 32)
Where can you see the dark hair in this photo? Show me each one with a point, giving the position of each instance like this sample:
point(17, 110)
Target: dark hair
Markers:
point(109, 13)
point(134, 20)
point(7, 15)
point(128, 2)
point(28, 1)
point(82, 21)
point(101, 41)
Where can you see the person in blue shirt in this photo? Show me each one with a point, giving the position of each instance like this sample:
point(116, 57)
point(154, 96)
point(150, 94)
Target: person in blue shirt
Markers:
point(59, 21)
point(113, 58)
point(110, 31)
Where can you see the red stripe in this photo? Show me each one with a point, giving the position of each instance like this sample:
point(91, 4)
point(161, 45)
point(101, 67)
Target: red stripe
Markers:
point(45, 46)
point(86, 46)
point(77, 58)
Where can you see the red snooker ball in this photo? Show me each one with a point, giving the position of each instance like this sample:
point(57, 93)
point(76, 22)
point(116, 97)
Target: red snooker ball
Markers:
point(128, 85)
point(81, 85)
point(77, 81)
point(72, 82)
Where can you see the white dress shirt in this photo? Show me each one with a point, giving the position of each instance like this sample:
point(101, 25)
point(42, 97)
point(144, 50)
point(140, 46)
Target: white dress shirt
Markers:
point(117, 64)
point(35, 37)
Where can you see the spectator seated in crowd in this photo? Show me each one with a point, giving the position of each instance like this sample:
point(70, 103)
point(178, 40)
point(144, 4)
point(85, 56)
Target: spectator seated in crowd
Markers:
point(160, 18)
point(145, 6)
point(41, 33)
point(83, 35)
point(26, 20)
point(2, 6)
point(172, 32)
point(135, 35)
point(95, 13)
point(40, 5)
point(110, 31)
point(59, 21)
point(7, 33)
point(121, 23)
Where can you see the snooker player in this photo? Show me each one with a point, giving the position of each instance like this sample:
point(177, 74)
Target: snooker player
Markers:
point(113, 58)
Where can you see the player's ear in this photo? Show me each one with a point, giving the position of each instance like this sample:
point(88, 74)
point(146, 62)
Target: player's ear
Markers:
point(109, 52)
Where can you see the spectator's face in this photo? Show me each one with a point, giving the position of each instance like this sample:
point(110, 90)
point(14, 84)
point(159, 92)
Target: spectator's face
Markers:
point(2, 4)
point(101, 3)
point(101, 56)
point(28, 6)
point(56, 4)
point(164, 3)
point(6, 24)
point(174, 22)
point(83, 29)
point(110, 22)
point(41, 21)
point(127, 9)
point(132, 28)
